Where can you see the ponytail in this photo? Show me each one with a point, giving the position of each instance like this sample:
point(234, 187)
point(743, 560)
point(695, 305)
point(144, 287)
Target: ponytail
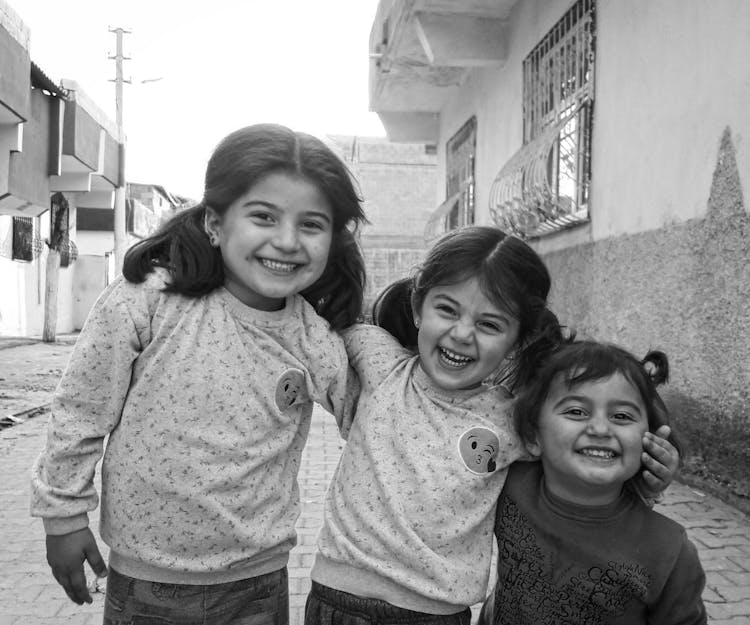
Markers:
point(542, 341)
point(393, 312)
point(656, 365)
point(182, 247)
point(338, 294)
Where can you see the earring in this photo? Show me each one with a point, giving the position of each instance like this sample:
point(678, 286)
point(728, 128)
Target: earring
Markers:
point(213, 239)
point(416, 323)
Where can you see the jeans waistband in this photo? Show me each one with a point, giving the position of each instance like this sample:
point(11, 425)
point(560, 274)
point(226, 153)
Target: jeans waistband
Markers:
point(381, 611)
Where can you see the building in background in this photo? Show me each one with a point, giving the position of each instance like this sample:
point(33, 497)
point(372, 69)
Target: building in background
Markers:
point(397, 182)
point(613, 136)
point(59, 166)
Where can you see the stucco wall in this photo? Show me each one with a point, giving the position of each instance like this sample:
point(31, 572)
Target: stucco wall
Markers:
point(665, 259)
point(685, 289)
point(494, 95)
point(669, 78)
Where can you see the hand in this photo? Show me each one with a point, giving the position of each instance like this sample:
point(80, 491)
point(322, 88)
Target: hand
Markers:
point(66, 554)
point(660, 459)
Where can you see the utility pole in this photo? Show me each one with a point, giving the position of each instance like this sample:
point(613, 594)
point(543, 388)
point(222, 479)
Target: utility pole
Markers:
point(119, 216)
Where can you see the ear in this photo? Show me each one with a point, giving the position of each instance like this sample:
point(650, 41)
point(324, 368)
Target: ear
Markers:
point(211, 222)
point(534, 448)
point(416, 311)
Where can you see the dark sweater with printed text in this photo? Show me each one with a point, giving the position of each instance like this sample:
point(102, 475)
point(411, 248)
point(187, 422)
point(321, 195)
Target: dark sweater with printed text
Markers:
point(619, 564)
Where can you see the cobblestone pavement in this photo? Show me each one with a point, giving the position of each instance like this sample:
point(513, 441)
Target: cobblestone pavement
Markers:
point(30, 596)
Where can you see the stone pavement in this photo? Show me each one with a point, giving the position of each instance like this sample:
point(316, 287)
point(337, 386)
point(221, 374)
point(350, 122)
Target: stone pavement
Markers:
point(30, 596)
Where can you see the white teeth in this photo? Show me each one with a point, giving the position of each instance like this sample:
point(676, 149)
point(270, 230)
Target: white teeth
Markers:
point(453, 359)
point(598, 453)
point(275, 265)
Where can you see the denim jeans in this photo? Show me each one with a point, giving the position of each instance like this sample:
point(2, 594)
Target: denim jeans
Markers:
point(262, 600)
point(326, 606)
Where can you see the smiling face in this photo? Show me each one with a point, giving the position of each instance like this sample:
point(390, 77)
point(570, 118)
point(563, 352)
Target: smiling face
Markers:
point(274, 239)
point(463, 336)
point(590, 438)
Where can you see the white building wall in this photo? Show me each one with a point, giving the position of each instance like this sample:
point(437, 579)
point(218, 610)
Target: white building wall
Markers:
point(666, 88)
point(22, 287)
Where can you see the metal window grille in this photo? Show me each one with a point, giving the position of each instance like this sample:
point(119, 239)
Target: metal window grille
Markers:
point(23, 238)
point(545, 186)
point(460, 155)
point(558, 79)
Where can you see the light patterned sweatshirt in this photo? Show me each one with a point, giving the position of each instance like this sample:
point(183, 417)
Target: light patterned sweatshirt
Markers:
point(410, 511)
point(207, 405)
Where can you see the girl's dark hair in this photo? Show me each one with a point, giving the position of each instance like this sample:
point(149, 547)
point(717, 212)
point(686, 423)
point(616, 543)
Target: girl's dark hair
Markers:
point(510, 274)
point(241, 160)
point(584, 361)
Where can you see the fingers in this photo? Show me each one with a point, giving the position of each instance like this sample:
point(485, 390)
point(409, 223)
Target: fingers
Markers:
point(79, 592)
point(95, 560)
point(74, 585)
point(653, 483)
point(660, 452)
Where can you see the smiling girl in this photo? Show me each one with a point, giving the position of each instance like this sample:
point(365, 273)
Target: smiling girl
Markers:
point(407, 533)
point(201, 366)
point(577, 545)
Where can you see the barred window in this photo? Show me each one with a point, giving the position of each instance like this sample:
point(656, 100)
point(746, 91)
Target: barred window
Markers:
point(545, 186)
point(458, 208)
point(23, 238)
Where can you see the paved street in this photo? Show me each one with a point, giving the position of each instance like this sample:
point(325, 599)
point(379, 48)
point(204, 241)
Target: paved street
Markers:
point(30, 596)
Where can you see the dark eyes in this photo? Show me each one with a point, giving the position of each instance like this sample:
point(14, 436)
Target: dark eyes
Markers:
point(579, 414)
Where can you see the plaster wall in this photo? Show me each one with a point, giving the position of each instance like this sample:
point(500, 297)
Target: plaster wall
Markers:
point(95, 242)
point(669, 80)
point(89, 280)
point(28, 168)
point(22, 285)
point(663, 95)
point(494, 95)
point(14, 52)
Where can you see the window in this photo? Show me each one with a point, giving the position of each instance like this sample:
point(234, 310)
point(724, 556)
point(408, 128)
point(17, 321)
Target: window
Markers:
point(458, 208)
point(459, 165)
point(545, 186)
point(23, 238)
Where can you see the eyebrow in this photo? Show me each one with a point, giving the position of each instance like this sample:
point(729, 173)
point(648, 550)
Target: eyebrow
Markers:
point(273, 206)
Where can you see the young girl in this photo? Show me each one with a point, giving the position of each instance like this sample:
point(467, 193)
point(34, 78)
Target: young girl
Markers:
point(201, 365)
point(576, 544)
point(408, 521)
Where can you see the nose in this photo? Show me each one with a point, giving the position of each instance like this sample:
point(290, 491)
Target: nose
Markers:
point(598, 425)
point(462, 331)
point(286, 237)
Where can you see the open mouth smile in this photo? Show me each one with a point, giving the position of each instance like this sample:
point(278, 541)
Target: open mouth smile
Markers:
point(599, 453)
point(279, 266)
point(452, 359)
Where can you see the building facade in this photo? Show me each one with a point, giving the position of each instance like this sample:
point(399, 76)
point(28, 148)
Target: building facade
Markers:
point(397, 182)
point(612, 136)
point(58, 154)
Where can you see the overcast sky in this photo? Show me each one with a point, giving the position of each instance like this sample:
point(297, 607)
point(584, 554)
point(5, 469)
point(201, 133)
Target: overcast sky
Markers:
point(222, 64)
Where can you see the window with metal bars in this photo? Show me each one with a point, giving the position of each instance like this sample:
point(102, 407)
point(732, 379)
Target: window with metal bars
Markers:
point(558, 90)
point(459, 164)
point(545, 186)
point(23, 238)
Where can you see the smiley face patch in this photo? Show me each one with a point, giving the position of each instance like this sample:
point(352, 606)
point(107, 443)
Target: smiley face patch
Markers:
point(290, 389)
point(478, 447)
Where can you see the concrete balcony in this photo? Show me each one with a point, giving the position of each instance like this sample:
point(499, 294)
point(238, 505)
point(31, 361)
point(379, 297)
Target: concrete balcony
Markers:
point(421, 51)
